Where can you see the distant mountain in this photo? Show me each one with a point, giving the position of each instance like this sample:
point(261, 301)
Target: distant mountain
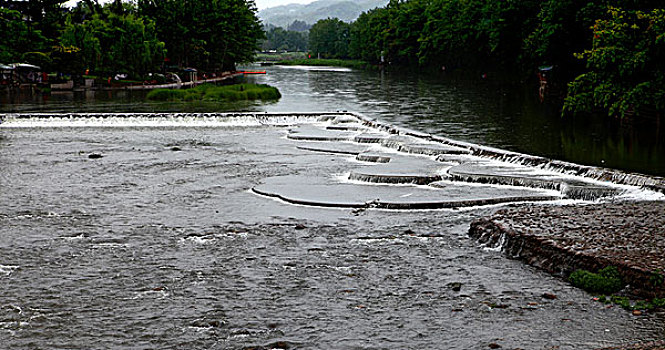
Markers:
point(345, 10)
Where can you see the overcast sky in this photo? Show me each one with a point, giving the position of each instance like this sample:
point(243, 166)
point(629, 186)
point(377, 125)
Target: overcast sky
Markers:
point(260, 4)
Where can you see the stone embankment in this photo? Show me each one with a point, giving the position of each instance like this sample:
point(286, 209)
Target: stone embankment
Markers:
point(562, 239)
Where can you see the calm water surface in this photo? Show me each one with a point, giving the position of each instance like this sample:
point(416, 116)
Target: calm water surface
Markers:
point(480, 111)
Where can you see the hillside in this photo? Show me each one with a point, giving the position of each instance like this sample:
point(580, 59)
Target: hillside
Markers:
point(345, 10)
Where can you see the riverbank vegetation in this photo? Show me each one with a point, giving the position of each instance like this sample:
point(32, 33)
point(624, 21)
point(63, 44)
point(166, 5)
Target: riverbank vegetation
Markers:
point(605, 281)
point(209, 92)
point(605, 55)
point(285, 40)
point(131, 38)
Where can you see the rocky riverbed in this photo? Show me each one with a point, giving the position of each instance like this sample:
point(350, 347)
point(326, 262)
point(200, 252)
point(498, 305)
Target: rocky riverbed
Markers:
point(561, 239)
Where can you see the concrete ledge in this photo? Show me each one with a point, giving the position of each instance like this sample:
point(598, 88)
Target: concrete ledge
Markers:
point(560, 240)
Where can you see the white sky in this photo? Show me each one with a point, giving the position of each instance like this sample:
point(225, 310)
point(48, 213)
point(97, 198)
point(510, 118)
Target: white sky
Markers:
point(260, 4)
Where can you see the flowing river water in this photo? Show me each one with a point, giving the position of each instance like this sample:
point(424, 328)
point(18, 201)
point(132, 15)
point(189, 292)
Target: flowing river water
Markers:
point(142, 231)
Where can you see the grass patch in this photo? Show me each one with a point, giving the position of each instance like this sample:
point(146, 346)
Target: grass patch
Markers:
point(606, 281)
point(628, 304)
point(209, 92)
point(326, 62)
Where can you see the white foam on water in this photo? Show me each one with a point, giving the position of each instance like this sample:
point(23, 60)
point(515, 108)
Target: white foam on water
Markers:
point(154, 294)
point(78, 120)
point(320, 68)
point(75, 238)
point(110, 245)
point(7, 269)
point(634, 193)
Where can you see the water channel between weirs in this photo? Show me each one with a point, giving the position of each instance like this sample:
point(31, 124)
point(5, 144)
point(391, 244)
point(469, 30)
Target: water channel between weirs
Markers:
point(125, 225)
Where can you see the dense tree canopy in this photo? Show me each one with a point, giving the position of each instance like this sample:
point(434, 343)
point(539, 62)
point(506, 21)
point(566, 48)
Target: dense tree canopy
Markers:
point(626, 66)
point(289, 40)
point(211, 34)
point(298, 26)
point(17, 37)
point(131, 37)
point(330, 38)
point(517, 37)
point(110, 42)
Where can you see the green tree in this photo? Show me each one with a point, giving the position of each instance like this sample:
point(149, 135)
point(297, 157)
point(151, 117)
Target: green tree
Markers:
point(279, 39)
point(299, 26)
point(405, 23)
point(476, 34)
point(17, 37)
point(625, 71)
point(112, 43)
point(367, 35)
point(209, 34)
point(46, 16)
point(330, 38)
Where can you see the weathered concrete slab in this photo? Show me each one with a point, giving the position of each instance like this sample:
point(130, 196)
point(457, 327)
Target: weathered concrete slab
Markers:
point(329, 192)
point(370, 138)
point(334, 147)
point(348, 127)
point(396, 141)
point(431, 149)
point(561, 239)
point(518, 175)
point(314, 133)
point(402, 170)
point(373, 158)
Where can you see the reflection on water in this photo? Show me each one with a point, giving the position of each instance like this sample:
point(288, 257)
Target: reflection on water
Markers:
point(479, 111)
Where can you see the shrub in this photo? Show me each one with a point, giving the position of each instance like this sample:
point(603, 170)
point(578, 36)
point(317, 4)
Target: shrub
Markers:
point(209, 92)
point(606, 281)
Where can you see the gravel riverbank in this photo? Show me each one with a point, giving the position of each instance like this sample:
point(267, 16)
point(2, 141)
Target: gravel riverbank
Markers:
point(562, 239)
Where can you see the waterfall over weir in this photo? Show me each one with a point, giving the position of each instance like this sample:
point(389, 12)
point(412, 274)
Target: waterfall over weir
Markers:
point(389, 167)
point(52, 120)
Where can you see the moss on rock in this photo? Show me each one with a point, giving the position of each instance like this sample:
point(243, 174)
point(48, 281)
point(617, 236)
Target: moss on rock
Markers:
point(606, 281)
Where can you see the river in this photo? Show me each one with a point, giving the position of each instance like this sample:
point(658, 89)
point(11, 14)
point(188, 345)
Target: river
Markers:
point(138, 232)
point(481, 111)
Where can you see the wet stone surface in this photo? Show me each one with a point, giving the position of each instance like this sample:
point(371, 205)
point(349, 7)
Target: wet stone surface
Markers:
point(334, 147)
point(329, 192)
point(148, 247)
point(629, 236)
point(519, 175)
point(402, 170)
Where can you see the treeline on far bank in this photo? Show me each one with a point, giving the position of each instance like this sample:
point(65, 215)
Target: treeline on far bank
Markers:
point(134, 38)
point(606, 54)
